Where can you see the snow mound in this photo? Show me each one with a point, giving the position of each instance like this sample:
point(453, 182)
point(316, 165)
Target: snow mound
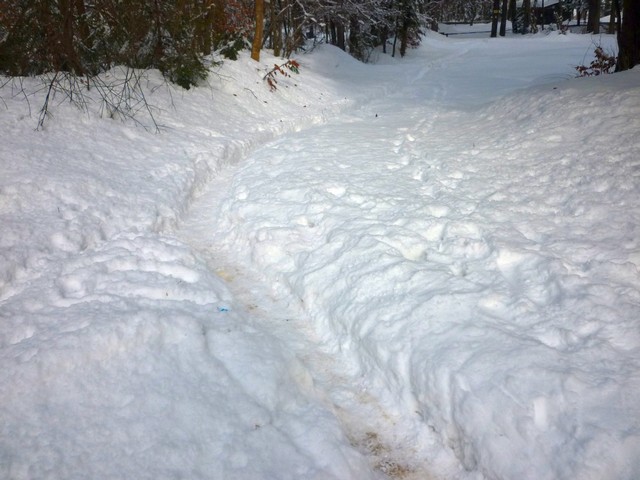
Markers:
point(461, 240)
point(478, 266)
point(123, 355)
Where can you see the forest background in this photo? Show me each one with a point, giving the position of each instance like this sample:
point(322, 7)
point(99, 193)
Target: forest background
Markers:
point(85, 38)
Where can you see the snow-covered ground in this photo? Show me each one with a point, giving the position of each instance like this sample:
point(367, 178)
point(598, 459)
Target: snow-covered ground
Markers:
point(419, 268)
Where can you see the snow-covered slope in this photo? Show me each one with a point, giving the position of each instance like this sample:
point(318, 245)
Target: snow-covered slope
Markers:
point(477, 264)
point(122, 355)
point(421, 267)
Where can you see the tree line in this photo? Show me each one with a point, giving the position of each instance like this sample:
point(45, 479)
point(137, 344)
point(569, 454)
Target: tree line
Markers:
point(87, 37)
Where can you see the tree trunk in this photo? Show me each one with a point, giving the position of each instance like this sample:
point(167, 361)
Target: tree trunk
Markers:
point(612, 19)
point(204, 29)
point(503, 18)
point(495, 16)
point(296, 39)
point(158, 47)
point(81, 16)
point(593, 24)
point(276, 29)
point(513, 15)
point(526, 5)
point(333, 33)
point(340, 31)
point(395, 40)
point(408, 25)
point(218, 23)
point(384, 36)
point(68, 59)
point(355, 47)
point(257, 36)
point(629, 36)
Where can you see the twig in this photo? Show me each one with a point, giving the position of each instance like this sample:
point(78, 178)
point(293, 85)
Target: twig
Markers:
point(270, 76)
point(44, 111)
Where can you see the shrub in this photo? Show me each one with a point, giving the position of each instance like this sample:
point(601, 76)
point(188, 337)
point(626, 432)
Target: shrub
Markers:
point(603, 63)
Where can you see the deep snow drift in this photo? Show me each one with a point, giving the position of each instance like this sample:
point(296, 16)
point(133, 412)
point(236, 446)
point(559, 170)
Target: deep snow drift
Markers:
point(426, 266)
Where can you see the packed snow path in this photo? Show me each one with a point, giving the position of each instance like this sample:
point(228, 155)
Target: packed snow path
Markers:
point(457, 265)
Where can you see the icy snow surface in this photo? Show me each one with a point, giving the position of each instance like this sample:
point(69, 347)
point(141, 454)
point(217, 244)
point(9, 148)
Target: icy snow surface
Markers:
point(421, 268)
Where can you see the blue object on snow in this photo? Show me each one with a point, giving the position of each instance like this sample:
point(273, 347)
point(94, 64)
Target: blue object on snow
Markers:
point(223, 309)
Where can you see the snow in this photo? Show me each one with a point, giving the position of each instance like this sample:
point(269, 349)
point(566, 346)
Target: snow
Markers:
point(419, 268)
point(539, 4)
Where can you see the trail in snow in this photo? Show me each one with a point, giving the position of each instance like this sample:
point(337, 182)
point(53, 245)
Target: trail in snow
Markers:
point(391, 444)
point(122, 354)
point(389, 440)
point(430, 250)
point(378, 433)
point(443, 279)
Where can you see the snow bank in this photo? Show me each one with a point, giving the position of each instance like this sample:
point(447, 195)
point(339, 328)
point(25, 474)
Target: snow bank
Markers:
point(475, 257)
point(122, 355)
point(460, 229)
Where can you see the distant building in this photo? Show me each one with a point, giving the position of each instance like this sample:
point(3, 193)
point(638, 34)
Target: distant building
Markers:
point(546, 12)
